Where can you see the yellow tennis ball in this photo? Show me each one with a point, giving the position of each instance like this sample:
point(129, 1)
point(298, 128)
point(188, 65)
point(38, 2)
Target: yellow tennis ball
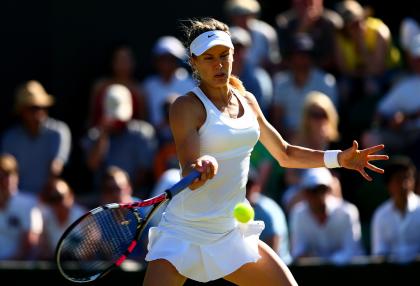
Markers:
point(243, 212)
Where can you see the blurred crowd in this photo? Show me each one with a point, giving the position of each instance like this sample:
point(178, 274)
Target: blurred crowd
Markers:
point(322, 76)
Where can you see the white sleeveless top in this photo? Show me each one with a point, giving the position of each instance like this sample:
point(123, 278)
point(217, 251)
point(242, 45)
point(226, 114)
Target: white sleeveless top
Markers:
point(197, 232)
point(230, 141)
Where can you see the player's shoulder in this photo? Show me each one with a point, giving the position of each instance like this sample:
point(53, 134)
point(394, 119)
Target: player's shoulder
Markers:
point(188, 106)
point(185, 102)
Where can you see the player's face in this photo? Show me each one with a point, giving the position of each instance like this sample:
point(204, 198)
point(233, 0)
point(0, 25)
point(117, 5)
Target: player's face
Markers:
point(214, 65)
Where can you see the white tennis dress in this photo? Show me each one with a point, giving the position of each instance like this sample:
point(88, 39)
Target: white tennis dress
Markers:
point(198, 233)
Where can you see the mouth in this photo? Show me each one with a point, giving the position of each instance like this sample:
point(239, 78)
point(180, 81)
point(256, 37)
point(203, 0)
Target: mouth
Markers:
point(220, 75)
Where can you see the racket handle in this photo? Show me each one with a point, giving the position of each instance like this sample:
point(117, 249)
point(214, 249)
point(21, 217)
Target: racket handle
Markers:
point(183, 183)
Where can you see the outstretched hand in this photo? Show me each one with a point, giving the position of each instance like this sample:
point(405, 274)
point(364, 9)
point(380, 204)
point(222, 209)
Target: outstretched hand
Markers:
point(358, 160)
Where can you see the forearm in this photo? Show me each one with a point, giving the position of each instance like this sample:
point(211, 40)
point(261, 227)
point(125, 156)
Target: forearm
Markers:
point(97, 153)
point(288, 155)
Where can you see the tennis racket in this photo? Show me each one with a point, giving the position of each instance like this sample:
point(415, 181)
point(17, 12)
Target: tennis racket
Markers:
point(104, 237)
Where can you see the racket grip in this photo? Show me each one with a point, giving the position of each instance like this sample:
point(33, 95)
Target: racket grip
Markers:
point(184, 182)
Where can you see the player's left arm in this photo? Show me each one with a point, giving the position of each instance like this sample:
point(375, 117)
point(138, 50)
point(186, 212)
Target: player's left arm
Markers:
point(293, 156)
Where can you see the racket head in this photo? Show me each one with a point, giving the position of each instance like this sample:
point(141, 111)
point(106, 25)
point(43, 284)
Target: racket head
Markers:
point(98, 241)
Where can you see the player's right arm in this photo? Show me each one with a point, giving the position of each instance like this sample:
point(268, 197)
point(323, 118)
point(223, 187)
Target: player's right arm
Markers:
point(186, 116)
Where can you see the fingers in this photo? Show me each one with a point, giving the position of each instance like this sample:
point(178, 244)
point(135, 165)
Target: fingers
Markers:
point(377, 157)
point(355, 145)
point(365, 175)
point(374, 168)
point(207, 166)
point(374, 149)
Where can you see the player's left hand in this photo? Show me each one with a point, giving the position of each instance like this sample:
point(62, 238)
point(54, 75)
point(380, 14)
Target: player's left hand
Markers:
point(355, 159)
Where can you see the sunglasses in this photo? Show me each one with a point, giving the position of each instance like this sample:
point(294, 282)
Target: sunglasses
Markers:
point(35, 108)
point(318, 114)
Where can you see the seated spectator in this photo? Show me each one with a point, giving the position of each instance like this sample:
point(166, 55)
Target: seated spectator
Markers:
point(122, 68)
point(20, 218)
point(365, 53)
point(275, 233)
point(312, 18)
point(396, 223)
point(59, 210)
point(322, 225)
point(40, 144)
point(170, 76)
point(319, 130)
point(397, 113)
point(255, 78)
point(119, 140)
point(263, 50)
point(291, 86)
point(319, 124)
point(116, 188)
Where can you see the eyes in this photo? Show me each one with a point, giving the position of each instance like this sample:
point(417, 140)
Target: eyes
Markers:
point(224, 58)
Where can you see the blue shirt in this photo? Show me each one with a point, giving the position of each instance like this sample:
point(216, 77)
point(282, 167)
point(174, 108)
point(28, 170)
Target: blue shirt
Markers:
point(267, 210)
point(34, 154)
point(131, 149)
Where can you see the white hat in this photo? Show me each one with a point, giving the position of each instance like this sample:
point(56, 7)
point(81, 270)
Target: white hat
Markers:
point(315, 177)
point(169, 45)
point(408, 29)
point(414, 46)
point(240, 36)
point(208, 40)
point(118, 103)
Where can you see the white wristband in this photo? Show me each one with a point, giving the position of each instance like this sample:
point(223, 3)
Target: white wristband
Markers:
point(331, 159)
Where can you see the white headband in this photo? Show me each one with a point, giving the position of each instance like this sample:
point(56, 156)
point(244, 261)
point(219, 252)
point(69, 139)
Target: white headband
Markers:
point(210, 39)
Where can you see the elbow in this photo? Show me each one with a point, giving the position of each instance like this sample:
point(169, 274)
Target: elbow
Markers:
point(283, 157)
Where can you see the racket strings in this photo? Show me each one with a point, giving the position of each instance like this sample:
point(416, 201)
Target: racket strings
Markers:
point(97, 242)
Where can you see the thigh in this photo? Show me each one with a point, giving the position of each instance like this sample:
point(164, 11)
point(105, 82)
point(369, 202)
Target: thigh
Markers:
point(268, 270)
point(162, 272)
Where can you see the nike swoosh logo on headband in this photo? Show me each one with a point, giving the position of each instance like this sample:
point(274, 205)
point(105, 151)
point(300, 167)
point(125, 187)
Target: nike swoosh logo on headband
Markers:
point(209, 36)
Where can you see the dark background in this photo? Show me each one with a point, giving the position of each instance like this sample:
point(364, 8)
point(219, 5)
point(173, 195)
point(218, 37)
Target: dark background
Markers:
point(65, 45)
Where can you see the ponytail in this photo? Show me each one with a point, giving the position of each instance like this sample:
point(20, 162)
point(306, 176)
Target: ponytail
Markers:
point(237, 84)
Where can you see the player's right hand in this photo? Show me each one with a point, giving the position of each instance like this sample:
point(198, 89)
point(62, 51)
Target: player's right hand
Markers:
point(208, 167)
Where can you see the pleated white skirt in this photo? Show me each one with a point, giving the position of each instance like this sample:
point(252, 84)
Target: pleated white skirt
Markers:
point(206, 261)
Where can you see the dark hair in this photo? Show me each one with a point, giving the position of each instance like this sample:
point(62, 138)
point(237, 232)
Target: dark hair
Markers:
point(398, 164)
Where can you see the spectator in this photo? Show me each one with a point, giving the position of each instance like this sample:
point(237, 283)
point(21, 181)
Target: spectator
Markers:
point(170, 77)
point(121, 141)
point(116, 188)
point(324, 226)
point(397, 113)
point(275, 233)
point(292, 86)
point(263, 50)
point(122, 71)
point(40, 144)
point(312, 18)
point(255, 78)
point(20, 218)
point(319, 124)
point(318, 129)
point(366, 56)
point(59, 210)
point(396, 223)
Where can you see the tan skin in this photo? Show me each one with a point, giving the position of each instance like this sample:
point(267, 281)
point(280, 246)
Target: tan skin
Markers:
point(187, 115)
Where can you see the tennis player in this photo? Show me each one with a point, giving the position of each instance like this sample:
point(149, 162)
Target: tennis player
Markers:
point(215, 127)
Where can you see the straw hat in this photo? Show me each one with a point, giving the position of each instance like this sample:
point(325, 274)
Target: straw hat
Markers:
point(32, 93)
